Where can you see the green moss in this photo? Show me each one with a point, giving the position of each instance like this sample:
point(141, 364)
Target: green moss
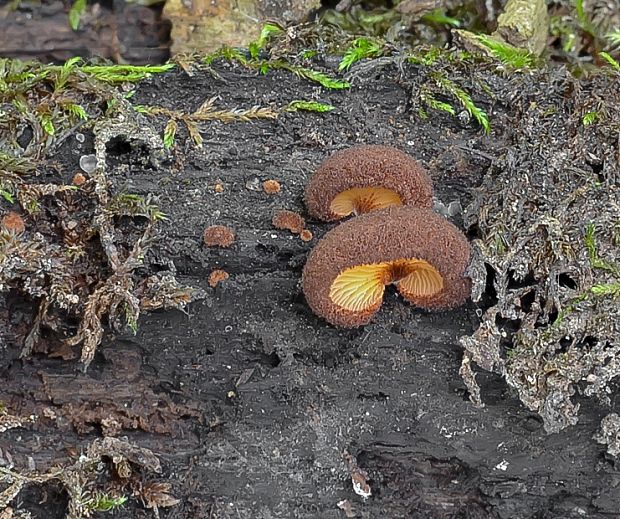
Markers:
point(508, 54)
point(75, 13)
point(264, 66)
point(595, 260)
point(361, 48)
point(169, 133)
point(435, 104)
point(308, 106)
point(439, 17)
point(583, 19)
point(612, 62)
point(268, 30)
point(450, 87)
point(524, 24)
point(589, 118)
point(606, 289)
point(101, 502)
point(427, 57)
point(126, 204)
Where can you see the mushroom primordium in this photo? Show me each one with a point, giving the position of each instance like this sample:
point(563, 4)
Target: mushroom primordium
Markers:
point(217, 276)
point(366, 178)
point(218, 236)
point(418, 251)
point(271, 187)
point(288, 220)
point(306, 235)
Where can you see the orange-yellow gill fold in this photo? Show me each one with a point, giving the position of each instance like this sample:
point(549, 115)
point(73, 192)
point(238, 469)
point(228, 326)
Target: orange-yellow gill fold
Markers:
point(362, 200)
point(359, 288)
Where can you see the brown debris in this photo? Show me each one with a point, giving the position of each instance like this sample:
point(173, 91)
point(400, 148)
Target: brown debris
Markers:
point(219, 236)
point(128, 473)
point(113, 406)
point(306, 235)
point(397, 233)
point(219, 187)
point(156, 494)
point(13, 222)
point(289, 220)
point(271, 187)
point(217, 276)
point(361, 167)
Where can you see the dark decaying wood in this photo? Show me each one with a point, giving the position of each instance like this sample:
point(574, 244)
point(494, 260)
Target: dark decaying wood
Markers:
point(255, 406)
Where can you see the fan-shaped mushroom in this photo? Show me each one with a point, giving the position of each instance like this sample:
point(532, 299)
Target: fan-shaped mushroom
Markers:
point(366, 178)
point(420, 252)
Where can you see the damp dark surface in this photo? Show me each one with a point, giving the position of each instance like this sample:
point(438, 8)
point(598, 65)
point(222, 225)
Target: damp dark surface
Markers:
point(251, 402)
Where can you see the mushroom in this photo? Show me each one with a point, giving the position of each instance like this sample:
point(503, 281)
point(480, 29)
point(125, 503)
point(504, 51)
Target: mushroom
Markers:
point(362, 179)
point(217, 276)
point(420, 252)
point(271, 187)
point(218, 236)
point(288, 220)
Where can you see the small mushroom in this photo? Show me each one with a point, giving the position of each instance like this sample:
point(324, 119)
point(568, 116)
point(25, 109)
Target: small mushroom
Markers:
point(421, 253)
point(218, 236)
point(289, 220)
point(271, 187)
point(79, 179)
point(362, 179)
point(217, 276)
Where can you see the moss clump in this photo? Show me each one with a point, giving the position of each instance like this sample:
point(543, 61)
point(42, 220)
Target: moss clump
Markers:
point(366, 178)
point(420, 252)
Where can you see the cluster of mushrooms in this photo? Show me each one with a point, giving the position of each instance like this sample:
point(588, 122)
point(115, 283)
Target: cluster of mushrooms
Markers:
point(395, 238)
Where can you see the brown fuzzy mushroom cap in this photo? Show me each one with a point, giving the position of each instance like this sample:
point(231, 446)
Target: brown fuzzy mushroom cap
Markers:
point(365, 178)
point(271, 187)
point(422, 253)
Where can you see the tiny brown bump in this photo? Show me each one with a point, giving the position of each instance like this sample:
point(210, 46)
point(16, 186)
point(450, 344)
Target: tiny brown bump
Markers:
point(219, 187)
point(219, 236)
point(79, 179)
point(271, 187)
point(13, 222)
point(305, 235)
point(289, 220)
point(217, 276)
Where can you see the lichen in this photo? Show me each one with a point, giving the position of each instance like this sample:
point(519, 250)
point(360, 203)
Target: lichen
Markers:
point(546, 221)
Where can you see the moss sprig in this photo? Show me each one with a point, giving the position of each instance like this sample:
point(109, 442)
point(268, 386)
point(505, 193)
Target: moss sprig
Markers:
point(509, 55)
point(359, 49)
point(450, 87)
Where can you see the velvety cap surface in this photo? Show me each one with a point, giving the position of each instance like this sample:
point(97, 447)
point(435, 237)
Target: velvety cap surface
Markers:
point(368, 166)
point(391, 234)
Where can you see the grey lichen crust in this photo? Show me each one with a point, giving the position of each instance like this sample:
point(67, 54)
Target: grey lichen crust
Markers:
point(610, 434)
point(549, 226)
